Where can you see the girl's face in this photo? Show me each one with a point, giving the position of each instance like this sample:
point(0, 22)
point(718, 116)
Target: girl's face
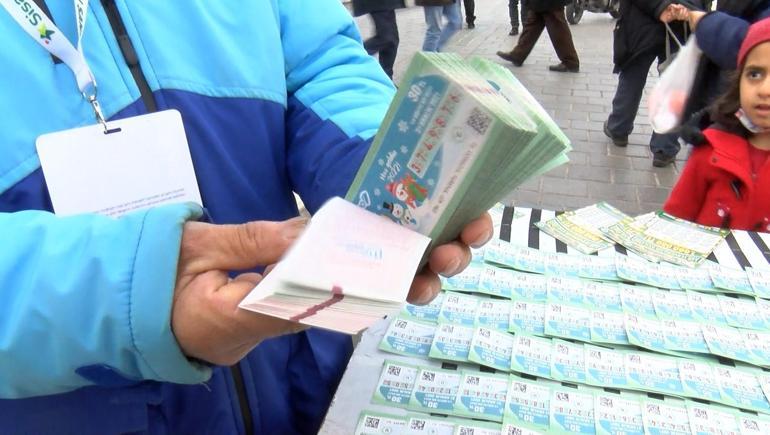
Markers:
point(755, 85)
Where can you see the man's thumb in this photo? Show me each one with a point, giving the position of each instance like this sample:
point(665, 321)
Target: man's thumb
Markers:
point(236, 247)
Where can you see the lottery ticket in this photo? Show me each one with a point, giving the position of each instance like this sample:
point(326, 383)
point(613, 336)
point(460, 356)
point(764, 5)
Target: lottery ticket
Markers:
point(565, 290)
point(497, 281)
point(758, 345)
point(482, 395)
point(568, 321)
point(430, 426)
point(605, 367)
point(425, 313)
point(672, 304)
point(637, 300)
point(493, 313)
point(527, 317)
point(685, 336)
point(452, 342)
point(572, 412)
point(608, 327)
point(706, 420)
point(726, 341)
point(515, 256)
point(465, 281)
point(617, 414)
point(650, 372)
point(645, 332)
point(532, 355)
point(698, 380)
point(395, 384)
point(528, 403)
point(459, 308)
point(568, 361)
point(742, 312)
point(492, 348)
point(706, 308)
point(741, 389)
point(408, 337)
point(760, 281)
point(435, 390)
point(598, 268)
point(472, 427)
point(603, 296)
point(665, 417)
point(558, 264)
point(733, 280)
point(374, 423)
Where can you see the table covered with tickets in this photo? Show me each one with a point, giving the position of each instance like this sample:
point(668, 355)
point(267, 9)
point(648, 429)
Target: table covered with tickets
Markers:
point(539, 337)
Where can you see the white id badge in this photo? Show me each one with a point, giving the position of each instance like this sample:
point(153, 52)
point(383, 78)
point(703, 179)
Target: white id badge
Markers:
point(145, 164)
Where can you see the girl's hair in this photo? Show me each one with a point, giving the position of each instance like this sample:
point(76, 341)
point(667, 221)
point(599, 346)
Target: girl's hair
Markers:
point(723, 109)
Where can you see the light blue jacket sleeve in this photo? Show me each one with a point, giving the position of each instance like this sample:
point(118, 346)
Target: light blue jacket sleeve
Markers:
point(86, 291)
point(337, 97)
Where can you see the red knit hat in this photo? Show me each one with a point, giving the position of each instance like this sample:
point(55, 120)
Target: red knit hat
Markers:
point(758, 33)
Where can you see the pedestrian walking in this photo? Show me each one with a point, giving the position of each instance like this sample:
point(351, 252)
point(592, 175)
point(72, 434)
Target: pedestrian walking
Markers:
point(385, 40)
point(470, 17)
point(436, 33)
point(545, 14)
point(513, 13)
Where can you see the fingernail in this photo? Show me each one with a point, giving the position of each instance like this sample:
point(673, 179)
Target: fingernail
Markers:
point(481, 241)
point(292, 228)
point(452, 268)
point(428, 295)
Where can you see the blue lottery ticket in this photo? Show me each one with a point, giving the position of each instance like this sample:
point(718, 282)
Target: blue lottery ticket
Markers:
point(672, 304)
point(375, 423)
point(459, 308)
point(707, 420)
point(742, 312)
point(408, 337)
point(430, 426)
point(741, 389)
point(706, 308)
point(435, 390)
point(527, 317)
point(482, 395)
point(395, 384)
point(562, 264)
point(650, 372)
point(515, 429)
point(733, 280)
point(685, 336)
point(528, 403)
point(758, 344)
point(645, 332)
point(491, 348)
point(664, 275)
point(753, 424)
point(568, 361)
point(572, 412)
point(637, 300)
point(471, 427)
point(529, 286)
point(465, 281)
point(531, 355)
point(726, 341)
point(760, 281)
point(452, 342)
point(515, 256)
point(697, 279)
point(497, 281)
point(617, 414)
point(568, 321)
point(665, 417)
point(598, 268)
point(493, 313)
point(608, 327)
point(565, 290)
point(605, 367)
point(698, 380)
point(603, 296)
point(426, 313)
point(634, 270)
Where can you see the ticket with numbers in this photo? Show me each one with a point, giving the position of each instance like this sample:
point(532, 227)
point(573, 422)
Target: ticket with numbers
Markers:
point(430, 426)
point(565, 290)
point(741, 389)
point(760, 281)
point(753, 424)
point(705, 419)
point(572, 411)
point(637, 300)
point(758, 345)
point(698, 380)
point(408, 337)
point(515, 256)
point(531, 355)
point(568, 321)
point(568, 361)
point(665, 417)
point(742, 312)
point(598, 268)
point(375, 423)
point(650, 372)
point(603, 296)
point(558, 264)
point(617, 414)
point(672, 304)
point(395, 384)
point(459, 308)
point(435, 390)
point(726, 341)
point(605, 367)
point(497, 281)
point(452, 342)
point(527, 317)
point(492, 348)
point(608, 327)
point(493, 313)
point(425, 313)
point(698, 279)
point(473, 427)
point(514, 429)
point(482, 395)
point(465, 281)
point(682, 335)
point(733, 280)
point(706, 308)
point(645, 332)
point(528, 403)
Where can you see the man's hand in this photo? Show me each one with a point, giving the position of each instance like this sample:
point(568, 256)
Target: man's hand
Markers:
point(205, 318)
point(450, 259)
point(674, 12)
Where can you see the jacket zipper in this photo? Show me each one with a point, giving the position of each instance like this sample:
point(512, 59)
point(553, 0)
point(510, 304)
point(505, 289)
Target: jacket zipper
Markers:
point(132, 60)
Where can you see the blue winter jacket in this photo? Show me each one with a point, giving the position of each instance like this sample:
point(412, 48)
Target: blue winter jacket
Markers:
point(720, 35)
point(276, 96)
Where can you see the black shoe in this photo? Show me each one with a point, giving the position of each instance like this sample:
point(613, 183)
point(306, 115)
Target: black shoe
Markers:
point(514, 31)
point(661, 159)
point(560, 67)
point(618, 141)
point(507, 56)
point(471, 25)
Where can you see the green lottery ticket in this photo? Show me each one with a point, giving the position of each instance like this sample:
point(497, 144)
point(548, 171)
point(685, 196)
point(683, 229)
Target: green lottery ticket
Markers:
point(572, 412)
point(608, 327)
point(425, 313)
point(650, 372)
point(753, 424)
point(605, 367)
point(568, 321)
point(741, 389)
point(645, 332)
point(528, 403)
point(465, 281)
point(758, 345)
point(528, 286)
point(706, 420)
point(430, 426)
point(685, 336)
point(517, 257)
point(514, 429)
point(667, 417)
point(452, 342)
point(742, 312)
point(637, 300)
point(531, 355)
point(568, 361)
point(472, 427)
point(672, 304)
point(375, 423)
point(565, 290)
point(435, 390)
point(395, 384)
point(497, 281)
point(705, 308)
point(580, 228)
point(698, 380)
point(617, 414)
point(493, 313)
point(459, 308)
point(760, 281)
point(726, 341)
point(482, 395)
point(665, 275)
point(527, 317)
point(491, 348)
point(733, 280)
point(559, 264)
point(603, 296)
point(698, 278)
point(598, 268)
point(408, 337)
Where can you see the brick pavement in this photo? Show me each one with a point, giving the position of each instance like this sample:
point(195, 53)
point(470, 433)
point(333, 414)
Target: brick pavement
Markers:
point(578, 102)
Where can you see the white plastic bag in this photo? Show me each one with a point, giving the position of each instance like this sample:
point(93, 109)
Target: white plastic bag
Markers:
point(669, 97)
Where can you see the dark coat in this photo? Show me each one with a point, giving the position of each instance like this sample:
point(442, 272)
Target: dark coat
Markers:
point(546, 5)
point(433, 2)
point(709, 181)
point(363, 7)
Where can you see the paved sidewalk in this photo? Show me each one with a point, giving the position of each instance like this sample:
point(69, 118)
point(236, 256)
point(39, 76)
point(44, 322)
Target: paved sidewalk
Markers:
point(578, 102)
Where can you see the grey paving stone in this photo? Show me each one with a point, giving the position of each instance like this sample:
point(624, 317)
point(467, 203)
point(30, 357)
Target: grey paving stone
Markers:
point(653, 194)
point(637, 178)
point(605, 191)
point(593, 173)
point(558, 186)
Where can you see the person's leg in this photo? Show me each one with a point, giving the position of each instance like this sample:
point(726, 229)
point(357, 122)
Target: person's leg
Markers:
point(533, 27)
point(628, 94)
point(523, 10)
point(376, 42)
point(388, 29)
point(470, 17)
point(454, 23)
point(561, 38)
point(513, 14)
point(433, 27)
point(664, 148)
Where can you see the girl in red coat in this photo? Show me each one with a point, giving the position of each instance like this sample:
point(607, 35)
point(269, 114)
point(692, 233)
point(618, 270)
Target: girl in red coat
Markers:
point(726, 182)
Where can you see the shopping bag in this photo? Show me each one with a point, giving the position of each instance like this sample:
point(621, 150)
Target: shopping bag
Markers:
point(670, 56)
point(669, 97)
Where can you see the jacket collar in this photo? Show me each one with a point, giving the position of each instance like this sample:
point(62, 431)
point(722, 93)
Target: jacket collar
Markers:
point(731, 153)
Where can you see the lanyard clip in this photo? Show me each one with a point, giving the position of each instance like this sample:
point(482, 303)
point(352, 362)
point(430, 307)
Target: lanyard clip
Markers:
point(98, 111)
